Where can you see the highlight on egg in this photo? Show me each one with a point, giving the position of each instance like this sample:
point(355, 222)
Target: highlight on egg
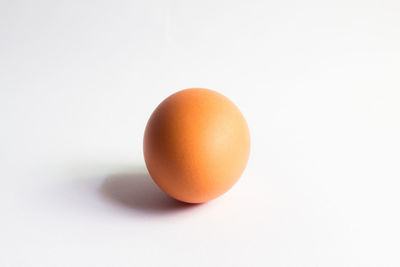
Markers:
point(196, 145)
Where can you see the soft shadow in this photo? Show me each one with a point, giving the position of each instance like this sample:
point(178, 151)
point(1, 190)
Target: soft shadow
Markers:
point(137, 191)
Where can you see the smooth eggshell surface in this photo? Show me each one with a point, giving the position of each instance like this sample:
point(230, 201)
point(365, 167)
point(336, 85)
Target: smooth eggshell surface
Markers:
point(196, 145)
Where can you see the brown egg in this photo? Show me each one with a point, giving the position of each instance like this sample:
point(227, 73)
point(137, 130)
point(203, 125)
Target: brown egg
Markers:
point(196, 145)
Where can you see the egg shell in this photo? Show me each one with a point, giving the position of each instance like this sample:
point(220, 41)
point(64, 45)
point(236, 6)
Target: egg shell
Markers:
point(196, 145)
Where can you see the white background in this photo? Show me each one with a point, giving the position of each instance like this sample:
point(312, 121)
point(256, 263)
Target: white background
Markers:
point(318, 82)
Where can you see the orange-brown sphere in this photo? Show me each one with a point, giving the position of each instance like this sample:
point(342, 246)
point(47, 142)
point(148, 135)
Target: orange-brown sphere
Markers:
point(196, 145)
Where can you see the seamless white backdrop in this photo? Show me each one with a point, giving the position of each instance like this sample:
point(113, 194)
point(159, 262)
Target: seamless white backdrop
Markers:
point(318, 82)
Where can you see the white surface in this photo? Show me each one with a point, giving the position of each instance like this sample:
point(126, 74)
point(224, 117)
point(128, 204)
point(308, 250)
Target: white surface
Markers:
point(318, 82)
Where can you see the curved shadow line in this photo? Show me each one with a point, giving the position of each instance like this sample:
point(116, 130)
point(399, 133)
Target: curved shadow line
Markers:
point(137, 191)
